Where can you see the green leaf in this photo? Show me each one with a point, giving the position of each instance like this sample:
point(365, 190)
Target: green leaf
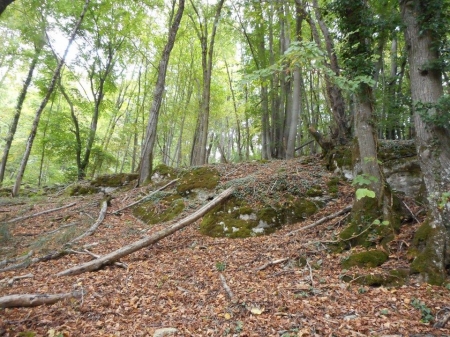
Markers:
point(364, 192)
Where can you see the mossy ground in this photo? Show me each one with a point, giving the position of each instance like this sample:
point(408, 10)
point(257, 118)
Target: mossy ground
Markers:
point(114, 180)
point(204, 177)
point(160, 210)
point(368, 259)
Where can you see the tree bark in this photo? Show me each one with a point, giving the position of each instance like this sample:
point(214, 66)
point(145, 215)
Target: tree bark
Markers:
point(4, 4)
point(145, 168)
point(44, 102)
point(34, 300)
point(199, 151)
point(432, 142)
point(18, 111)
point(147, 240)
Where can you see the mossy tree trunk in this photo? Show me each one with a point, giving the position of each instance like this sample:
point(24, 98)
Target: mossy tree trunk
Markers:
point(426, 29)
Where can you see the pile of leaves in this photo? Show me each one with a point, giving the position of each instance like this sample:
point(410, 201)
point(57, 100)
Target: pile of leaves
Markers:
point(285, 284)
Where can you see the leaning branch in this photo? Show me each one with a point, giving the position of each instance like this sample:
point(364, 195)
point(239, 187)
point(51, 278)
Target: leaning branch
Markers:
point(324, 219)
point(41, 213)
point(33, 300)
point(146, 197)
point(146, 240)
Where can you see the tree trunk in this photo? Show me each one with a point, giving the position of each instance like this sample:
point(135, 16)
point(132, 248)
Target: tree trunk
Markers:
point(145, 169)
point(18, 111)
point(44, 102)
point(4, 4)
point(199, 151)
point(432, 140)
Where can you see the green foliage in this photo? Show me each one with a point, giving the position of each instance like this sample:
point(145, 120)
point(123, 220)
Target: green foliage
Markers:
point(221, 266)
point(364, 192)
point(435, 114)
point(364, 180)
point(427, 316)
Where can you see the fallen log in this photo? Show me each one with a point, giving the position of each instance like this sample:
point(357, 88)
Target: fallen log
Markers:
point(320, 221)
point(94, 227)
point(146, 240)
point(41, 213)
point(33, 300)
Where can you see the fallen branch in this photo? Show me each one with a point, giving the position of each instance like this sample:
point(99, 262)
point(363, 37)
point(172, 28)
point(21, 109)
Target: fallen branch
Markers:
point(146, 240)
point(146, 197)
point(226, 287)
point(28, 262)
point(20, 258)
point(318, 222)
point(33, 300)
point(310, 273)
point(11, 280)
point(41, 213)
point(443, 321)
point(271, 263)
point(94, 227)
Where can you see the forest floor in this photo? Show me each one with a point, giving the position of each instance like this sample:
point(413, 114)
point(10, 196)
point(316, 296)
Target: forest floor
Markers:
point(200, 285)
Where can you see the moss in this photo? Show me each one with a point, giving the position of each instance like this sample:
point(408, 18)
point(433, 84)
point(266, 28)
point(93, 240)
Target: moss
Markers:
point(395, 149)
point(315, 191)
point(198, 177)
point(5, 192)
point(369, 259)
point(425, 255)
point(165, 171)
point(83, 190)
point(339, 157)
point(395, 278)
point(114, 180)
point(333, 186)
point(299, 209)
point(165, 209)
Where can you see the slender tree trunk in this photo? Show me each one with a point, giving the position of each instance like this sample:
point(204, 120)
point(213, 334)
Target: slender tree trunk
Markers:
point(44, 102)
point(18, 111)
point(432, 142)
point(145, 169)
point(199, 150)
point(4, 4)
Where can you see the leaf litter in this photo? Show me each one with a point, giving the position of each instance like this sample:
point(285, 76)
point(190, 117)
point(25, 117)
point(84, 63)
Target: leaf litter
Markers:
point(176, 282)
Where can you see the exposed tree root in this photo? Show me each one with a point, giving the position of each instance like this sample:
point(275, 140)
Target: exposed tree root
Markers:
point(146, 240)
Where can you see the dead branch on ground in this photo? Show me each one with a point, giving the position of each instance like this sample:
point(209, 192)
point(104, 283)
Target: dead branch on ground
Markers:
point(443, 321)
point(226, 287)
point(11, 280)
point(146, 197)
point(20, 258)
point(41, 213)
point(324, 219)
point(94, 227)
point(146, 240)
point(271, 263)
point(33, 300)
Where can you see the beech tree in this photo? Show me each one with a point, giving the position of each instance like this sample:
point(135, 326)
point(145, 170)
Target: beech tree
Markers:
point(426, 32)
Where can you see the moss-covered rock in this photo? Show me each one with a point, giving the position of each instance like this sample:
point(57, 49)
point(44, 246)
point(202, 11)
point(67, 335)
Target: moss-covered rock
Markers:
point(368, 259)
point(114, 180)
point(235, 219)
point(315, 191)
point(333, 186)
point(81, 189)
point(204, 177)
point(160, 210)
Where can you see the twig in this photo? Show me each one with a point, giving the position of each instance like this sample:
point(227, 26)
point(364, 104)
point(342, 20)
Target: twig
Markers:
point(226, 287)
point(146, 197)
point(318, 222)
point(11, 280)
point(413, 215)
point(41, 213)
point(271, 263)
point(62, 227)
point(441, 323)
point(310, 273)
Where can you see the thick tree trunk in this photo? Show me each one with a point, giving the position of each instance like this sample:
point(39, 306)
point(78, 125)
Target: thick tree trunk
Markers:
point(18, 111)
point(147, 240)
point(145, 170)
point(432, 142)
point(44, 102)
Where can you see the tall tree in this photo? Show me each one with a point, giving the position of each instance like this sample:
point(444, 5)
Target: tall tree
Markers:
point(44, 102)
point(150, 137)
point(426, 31)
point(199, 146)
